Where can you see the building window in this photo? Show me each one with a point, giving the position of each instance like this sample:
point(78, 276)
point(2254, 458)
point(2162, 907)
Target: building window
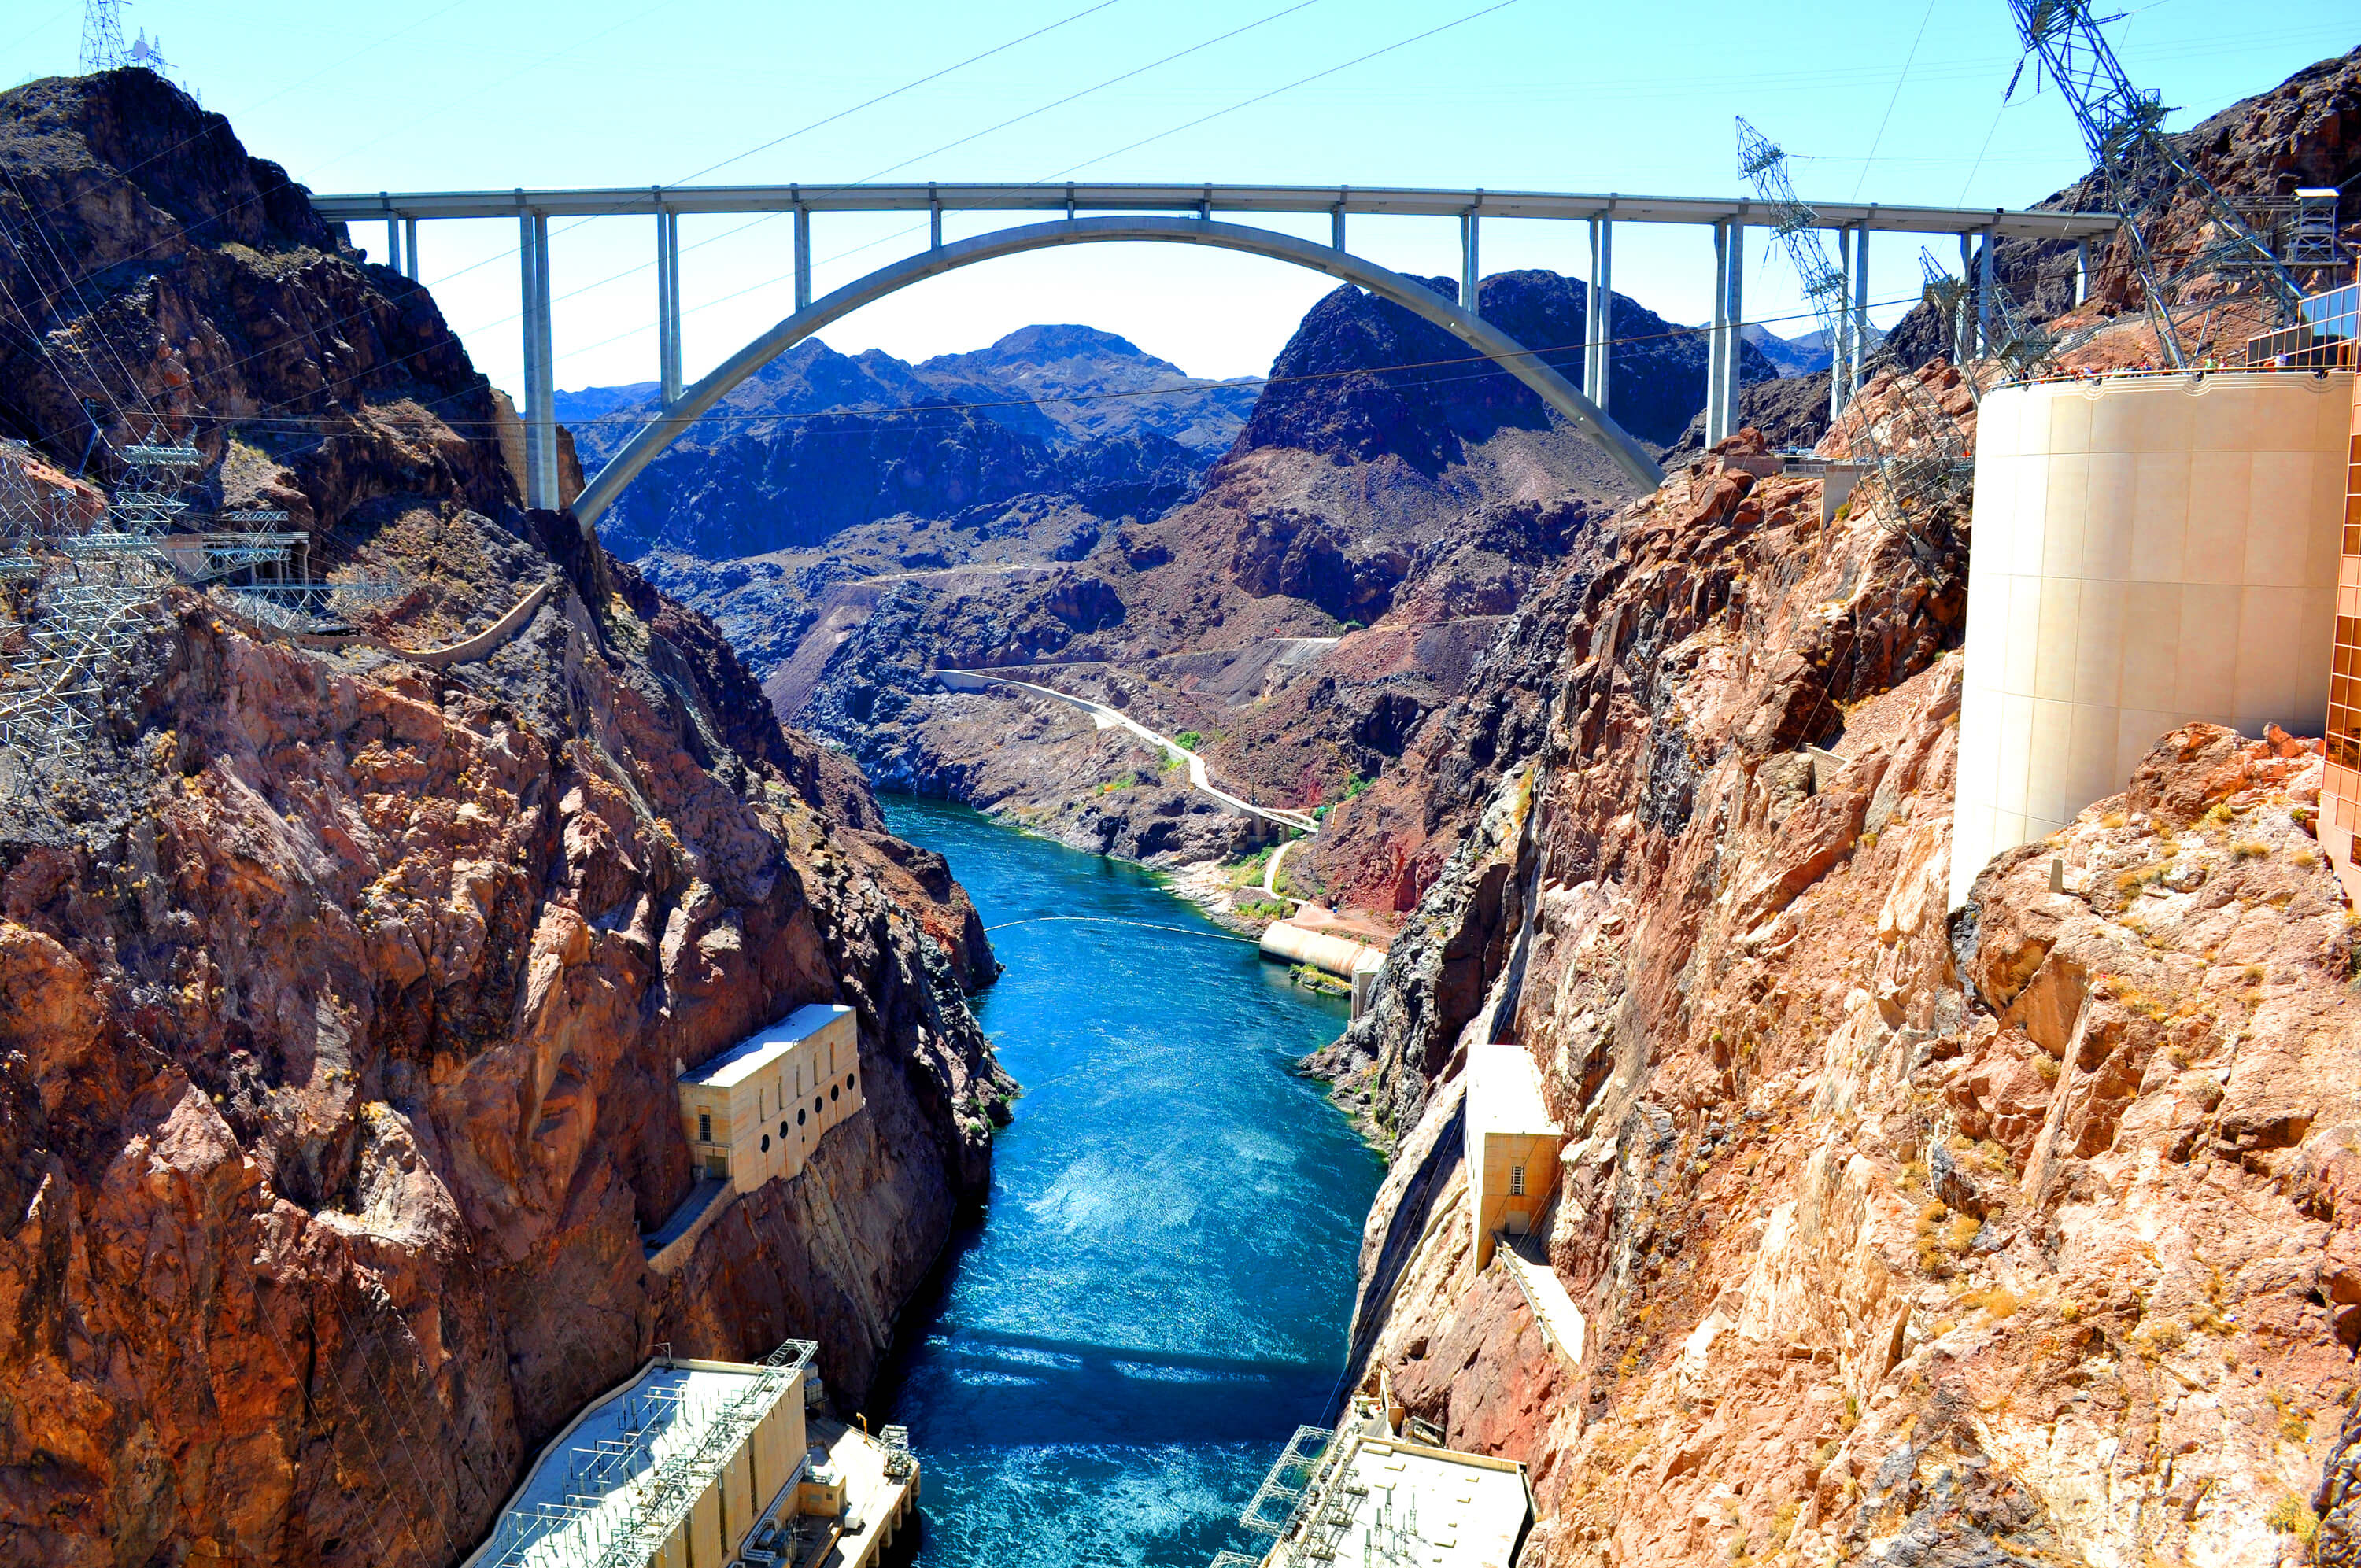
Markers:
point(1516, 1181)
point(833, 1092)
point(799, 1118)
point(817, 1106)
point(766, 1143)
point(704, 1126)
point(847, 1080)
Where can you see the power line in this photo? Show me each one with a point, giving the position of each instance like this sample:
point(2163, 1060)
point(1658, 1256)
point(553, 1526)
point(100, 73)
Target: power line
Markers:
point(1887, 119)
point(907, 86)
point(1261, 97)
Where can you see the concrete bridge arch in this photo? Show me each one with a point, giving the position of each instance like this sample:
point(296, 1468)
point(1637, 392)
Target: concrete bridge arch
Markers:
point(1471, 329)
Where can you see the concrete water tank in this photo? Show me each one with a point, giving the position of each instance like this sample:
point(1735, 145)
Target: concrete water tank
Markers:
point(2148, 550)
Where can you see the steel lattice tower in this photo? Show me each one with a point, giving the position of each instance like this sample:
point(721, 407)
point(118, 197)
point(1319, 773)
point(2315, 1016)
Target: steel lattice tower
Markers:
point(2137, 167)
point(102, 36)
point(1920, 452)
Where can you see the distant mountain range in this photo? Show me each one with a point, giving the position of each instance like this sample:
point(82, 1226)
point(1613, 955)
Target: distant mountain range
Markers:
point(1061, 385)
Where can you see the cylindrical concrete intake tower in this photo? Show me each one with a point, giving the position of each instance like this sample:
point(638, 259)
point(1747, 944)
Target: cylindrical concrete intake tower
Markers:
point(2148, 552)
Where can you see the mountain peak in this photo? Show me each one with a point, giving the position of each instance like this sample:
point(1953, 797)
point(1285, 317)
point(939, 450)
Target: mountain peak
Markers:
point(1052, 343)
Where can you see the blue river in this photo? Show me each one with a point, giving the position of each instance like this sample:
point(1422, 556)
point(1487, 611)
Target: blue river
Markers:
point(1160, 1290)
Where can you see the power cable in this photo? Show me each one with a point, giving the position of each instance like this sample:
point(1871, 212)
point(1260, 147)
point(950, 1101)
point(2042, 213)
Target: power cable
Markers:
point(770, 217)
point(1110, 82)
point(1863, 178)
point(907, 86)
point(777, 141)
point(1262, 97)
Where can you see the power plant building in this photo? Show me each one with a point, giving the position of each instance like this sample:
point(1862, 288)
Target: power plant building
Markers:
point(756, 1111)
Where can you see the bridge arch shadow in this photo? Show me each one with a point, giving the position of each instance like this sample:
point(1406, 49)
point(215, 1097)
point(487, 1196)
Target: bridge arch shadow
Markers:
point(1512, 357)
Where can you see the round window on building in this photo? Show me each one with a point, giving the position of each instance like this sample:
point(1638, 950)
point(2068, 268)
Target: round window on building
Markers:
point(799, 1118)
point(783, 1132)
point(766, 1143)
point(847, 1080)
point(833, 1092)
point(818, 1105)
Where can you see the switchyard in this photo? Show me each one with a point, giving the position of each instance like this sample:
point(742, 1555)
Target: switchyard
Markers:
point(700, 1463)
point(1381, 1491)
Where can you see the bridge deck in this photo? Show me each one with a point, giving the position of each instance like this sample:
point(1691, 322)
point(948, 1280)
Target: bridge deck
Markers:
point(365, 206)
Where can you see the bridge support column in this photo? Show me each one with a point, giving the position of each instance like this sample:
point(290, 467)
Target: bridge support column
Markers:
point(667, 308)
point(1859, 335)
point(934, 220)
point(1840, 351)
point(393, 242)
point(1336, 227)
point(540, 374)
point(2081, 271)
point(1984, 294)
point(1722, 356)
point(1963, 331)
point(803, 258)
point(1598, 312)
point(410, 249)
point(1467, 271)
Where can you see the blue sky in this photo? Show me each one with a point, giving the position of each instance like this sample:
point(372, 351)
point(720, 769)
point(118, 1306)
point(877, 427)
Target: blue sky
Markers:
point(1535, 95)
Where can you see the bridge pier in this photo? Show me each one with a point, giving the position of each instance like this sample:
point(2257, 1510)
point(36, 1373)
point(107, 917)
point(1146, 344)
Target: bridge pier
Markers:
point(1598, 312)
point(667, 308)
point(1722, 354)
point(540, 372)
point(2081, 271)
point(1468, 269)
point(410, 249)
point(1336, 226)
point(1860, 333)
point(803, 256)
point(1963, 331)
point(1984, 296)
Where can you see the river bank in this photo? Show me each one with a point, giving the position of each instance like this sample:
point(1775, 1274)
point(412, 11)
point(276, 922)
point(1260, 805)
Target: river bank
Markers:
point(1160, 1287)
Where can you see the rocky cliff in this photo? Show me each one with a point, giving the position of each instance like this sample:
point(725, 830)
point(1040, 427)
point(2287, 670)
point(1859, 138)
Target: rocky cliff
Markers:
point(341, 996)
point(2013, 1236)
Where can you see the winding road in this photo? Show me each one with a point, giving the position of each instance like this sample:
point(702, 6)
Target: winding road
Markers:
point(1107, 717)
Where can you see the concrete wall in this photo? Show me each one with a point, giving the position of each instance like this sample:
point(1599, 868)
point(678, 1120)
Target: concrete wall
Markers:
point(2148, 552)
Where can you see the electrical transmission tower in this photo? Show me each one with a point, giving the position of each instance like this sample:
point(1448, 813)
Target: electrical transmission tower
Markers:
point(76, 589)
point(2138, 169)
point(102, 36)
point(1918, 451)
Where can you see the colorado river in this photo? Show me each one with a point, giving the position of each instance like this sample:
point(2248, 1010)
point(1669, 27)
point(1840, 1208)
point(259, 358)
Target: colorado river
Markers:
point(1161, 1290)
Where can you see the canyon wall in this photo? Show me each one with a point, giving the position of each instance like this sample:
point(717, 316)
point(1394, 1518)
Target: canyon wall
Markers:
point(341, 997)
point(2010, 1235)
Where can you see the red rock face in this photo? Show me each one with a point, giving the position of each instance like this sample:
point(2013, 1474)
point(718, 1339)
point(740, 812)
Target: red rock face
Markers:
point(2013, 1234)
point(342, 1000)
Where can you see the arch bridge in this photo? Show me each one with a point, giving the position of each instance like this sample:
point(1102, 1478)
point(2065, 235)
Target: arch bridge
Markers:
point(1173, 214)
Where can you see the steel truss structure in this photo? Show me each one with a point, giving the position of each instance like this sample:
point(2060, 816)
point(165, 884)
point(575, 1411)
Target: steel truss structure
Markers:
point(76, 589)
point(2138, 169)
point(1919, 453)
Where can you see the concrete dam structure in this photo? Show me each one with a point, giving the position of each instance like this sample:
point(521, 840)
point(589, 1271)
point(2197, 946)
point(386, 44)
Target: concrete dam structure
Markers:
point(2151, 551)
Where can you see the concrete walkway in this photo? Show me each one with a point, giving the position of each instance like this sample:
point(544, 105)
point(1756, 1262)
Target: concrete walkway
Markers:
point(1107, 717)
point(1561, 1320)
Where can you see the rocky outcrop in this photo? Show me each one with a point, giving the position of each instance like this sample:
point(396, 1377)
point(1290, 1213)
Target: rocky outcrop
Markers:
point(342, 999)
point(2009, 1236)
point(1364, 377)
